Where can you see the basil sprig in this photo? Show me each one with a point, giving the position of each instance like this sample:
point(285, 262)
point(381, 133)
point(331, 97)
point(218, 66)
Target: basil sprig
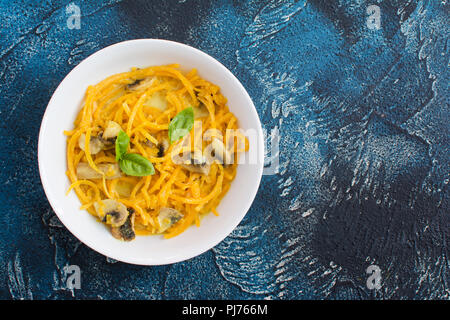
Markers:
point(181, 125)
point(122, 142)
point(132, 164)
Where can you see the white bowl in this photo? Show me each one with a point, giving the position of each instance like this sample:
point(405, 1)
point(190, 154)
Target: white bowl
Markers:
point(65, 105)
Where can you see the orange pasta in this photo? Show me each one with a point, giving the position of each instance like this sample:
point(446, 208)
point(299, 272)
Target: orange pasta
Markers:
point(141, 104)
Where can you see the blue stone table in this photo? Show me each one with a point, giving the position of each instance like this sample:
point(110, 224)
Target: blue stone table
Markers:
point(358, 206)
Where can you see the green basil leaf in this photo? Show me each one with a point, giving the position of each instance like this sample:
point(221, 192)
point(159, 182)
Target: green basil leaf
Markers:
point(122, 142)
point(136, 165)
point(181, 125)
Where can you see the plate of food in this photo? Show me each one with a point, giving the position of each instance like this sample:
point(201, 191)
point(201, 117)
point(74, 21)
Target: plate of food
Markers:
point(150, 152)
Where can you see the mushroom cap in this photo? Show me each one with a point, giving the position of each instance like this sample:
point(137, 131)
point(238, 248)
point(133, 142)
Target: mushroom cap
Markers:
point(112, 130)
point(167, 217)
point(111, 171)
point(112, 212)
point(140, 84)
point(126, 231)
point(95, 144)
point(197, 163)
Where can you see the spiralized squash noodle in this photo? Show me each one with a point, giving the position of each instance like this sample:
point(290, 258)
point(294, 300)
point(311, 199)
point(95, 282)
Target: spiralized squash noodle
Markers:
point(143, 102)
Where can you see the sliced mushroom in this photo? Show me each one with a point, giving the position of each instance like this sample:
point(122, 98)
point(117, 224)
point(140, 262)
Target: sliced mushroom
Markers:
point(134, 85)
point(95, 144)
point(126, 231)
point(167, 217)
point(162, 148)
point(111, 171)
point(140, 83)
point(112, 212)
point(111, 132)
point(221, 153)
point(197, 163)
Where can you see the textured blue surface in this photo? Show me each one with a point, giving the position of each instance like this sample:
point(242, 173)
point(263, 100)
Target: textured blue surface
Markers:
point(364, 151)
